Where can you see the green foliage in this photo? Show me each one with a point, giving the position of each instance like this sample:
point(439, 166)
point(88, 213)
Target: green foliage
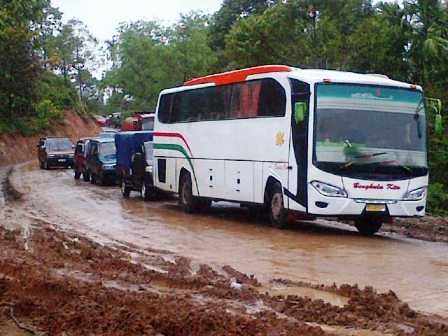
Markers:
point(438, 199)
point(32, 44)
point(149, 57)
point(53, 88)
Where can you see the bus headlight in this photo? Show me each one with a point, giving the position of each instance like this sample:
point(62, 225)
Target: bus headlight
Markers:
point(416, 194)
point(328, 189)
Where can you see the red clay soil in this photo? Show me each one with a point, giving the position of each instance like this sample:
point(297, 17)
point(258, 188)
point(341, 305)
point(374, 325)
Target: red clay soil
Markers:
point(16, 148)
point(426, 228)
point(62, 284)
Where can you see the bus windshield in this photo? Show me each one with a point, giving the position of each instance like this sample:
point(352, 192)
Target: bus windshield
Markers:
point(369, 130)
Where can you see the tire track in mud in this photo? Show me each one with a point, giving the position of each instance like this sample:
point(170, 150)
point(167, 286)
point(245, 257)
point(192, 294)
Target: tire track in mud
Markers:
point(155, 292)
point(70, 285)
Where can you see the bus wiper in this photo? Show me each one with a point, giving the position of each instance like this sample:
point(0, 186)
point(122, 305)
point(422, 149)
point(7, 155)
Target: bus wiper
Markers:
point(387, 164)
point(363, 156)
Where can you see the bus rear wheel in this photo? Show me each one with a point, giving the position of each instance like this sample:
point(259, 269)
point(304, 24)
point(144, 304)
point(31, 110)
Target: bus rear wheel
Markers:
point(368, 226)
point(186, 199)
point(278, 215)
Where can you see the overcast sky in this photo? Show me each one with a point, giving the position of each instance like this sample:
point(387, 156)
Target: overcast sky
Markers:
point(103, 16)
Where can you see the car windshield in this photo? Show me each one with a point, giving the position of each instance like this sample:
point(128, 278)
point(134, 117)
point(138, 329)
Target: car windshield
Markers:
point(107, 151)
point(366, 125)
point(59, 145)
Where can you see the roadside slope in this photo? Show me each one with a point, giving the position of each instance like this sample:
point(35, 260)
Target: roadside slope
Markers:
point(17, 148)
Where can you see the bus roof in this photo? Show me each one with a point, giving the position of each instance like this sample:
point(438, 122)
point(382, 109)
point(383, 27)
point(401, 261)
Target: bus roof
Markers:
point(237, 75)
point(307, 75)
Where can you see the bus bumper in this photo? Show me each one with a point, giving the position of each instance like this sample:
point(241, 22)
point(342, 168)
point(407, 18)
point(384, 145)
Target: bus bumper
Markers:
point(320, 205)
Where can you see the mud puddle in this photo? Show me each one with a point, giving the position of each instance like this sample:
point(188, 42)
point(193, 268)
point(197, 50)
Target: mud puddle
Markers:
point(319, 253)
point(278, 289)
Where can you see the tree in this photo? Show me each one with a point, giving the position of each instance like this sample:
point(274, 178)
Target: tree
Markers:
point(19, 64)
point(229, 13)
point(148, 57)
point(72, 52)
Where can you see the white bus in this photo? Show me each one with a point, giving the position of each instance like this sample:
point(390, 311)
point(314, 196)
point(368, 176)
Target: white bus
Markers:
point(302, 142)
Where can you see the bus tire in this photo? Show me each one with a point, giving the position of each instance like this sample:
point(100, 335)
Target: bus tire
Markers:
point(186, 199)
point(368, 226)
point(278, 215)
point(125, 189)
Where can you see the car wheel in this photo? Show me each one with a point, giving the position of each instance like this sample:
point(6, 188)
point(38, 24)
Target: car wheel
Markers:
point(86, 176)
point(77, 175)
point(41, 165)
point(186, 199)
point(99, 180)
point(125, 190)
point(46, 166)
point(92, 179)
point(278, 215)
point(368, 226)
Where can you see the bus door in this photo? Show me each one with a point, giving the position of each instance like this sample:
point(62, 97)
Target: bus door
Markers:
point(298, 155)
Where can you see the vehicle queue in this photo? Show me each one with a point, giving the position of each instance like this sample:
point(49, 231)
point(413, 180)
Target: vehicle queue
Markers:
point(293, 143)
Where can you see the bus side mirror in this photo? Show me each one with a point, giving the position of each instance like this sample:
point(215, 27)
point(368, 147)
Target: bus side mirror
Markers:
point(300, 109)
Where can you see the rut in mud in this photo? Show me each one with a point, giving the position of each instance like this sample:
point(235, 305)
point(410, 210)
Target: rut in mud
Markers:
point(69, 285)
point(319, 253)
point(67, 268)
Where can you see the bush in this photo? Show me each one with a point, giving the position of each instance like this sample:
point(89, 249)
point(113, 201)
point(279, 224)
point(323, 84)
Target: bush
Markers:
point(438, 199)
point(61, 94)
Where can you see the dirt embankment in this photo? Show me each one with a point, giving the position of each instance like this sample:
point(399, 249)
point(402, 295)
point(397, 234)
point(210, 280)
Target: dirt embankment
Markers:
point(16, 148)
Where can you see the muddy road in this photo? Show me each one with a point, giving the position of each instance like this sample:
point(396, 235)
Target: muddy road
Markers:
point(318, 253)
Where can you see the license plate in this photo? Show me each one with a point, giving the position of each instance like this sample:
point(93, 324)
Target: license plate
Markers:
point(376, 207)
point(61, 160)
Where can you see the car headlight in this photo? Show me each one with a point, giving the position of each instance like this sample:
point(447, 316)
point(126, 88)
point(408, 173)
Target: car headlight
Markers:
point(416, 194)
point(328, 189)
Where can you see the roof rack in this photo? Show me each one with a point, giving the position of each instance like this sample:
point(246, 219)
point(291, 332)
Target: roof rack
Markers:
point(237, 75)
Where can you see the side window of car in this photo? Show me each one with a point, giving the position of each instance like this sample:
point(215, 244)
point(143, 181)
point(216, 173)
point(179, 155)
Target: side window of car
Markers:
point(79, 148)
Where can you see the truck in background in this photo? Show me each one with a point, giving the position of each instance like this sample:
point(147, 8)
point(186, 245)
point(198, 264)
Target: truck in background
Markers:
point(139, 121)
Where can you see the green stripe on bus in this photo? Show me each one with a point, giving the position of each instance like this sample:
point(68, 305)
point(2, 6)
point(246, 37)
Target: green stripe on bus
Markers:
point(179, 148)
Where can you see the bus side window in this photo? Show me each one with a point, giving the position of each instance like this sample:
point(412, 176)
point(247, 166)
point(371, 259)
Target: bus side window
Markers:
point(165, 113)
point(272, 102)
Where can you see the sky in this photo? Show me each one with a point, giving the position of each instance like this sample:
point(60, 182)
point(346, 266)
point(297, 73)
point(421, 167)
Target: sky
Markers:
point(102, 17)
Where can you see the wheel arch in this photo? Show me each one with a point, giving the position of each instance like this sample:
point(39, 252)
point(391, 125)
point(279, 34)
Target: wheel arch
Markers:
point(270, 182)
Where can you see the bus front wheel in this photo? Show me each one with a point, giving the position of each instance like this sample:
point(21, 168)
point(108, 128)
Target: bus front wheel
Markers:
point(368, 226)
point(278, 215)
point(186, 199)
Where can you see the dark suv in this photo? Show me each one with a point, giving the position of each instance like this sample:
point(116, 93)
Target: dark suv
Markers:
point(55, 152)
point(102, 161)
